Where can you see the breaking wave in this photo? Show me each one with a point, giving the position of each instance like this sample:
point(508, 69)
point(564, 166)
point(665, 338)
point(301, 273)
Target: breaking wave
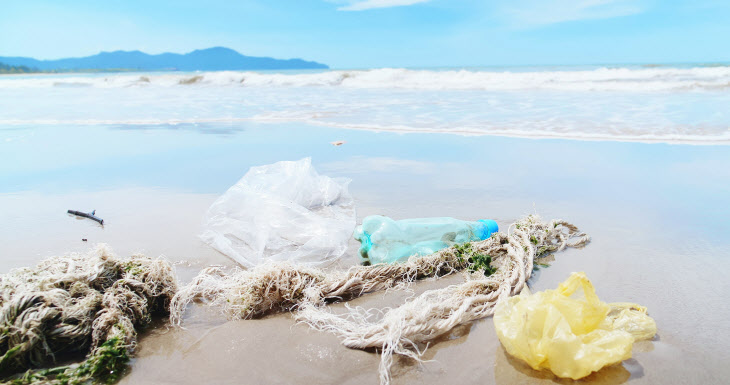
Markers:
point(654, 104)
point(599, 79)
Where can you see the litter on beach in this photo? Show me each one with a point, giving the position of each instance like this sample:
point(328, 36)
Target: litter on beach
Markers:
point(91, 215)
point(114, 297)
point(272, 287)
point(384, 240)
point(284, 211)
point(91, 305)
point(569, 330)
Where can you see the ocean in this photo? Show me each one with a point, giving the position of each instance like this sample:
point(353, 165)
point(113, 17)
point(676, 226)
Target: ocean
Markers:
point(644, 103)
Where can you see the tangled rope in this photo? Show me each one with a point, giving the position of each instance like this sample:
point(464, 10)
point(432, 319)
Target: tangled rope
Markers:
point(245, 294)
point(499, 267)
point(76, 303)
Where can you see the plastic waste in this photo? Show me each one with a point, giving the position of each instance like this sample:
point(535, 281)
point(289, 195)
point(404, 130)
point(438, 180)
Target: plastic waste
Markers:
point(285, 211)
point(568, 333)
point(384, 240)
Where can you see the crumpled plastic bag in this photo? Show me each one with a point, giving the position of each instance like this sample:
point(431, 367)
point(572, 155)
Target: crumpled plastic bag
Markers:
point(568, 333)
point(285, 211)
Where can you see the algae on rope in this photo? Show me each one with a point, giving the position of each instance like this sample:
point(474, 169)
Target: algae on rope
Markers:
point(476, 261)
point(91, 303)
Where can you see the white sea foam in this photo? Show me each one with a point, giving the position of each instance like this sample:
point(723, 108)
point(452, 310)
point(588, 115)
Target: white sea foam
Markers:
point(609, 79)
point(689, 105)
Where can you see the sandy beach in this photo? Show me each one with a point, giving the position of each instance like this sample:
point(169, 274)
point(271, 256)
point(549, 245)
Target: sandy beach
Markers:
point(657, 214)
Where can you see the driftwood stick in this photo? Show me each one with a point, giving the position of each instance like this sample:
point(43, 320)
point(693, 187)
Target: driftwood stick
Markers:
point(87, 215)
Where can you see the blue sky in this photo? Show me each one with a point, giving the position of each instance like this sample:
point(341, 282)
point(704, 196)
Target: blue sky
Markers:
point(380, 33)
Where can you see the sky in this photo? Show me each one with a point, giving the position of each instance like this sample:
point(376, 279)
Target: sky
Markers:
point(380, 33)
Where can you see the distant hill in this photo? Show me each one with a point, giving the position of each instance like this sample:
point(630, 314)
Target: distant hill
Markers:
point(210, 59)
point(6, 69)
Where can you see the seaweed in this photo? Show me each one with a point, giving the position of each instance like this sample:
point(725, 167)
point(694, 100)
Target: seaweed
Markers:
point(474, 260)
point(106, 365)
point(93, 304)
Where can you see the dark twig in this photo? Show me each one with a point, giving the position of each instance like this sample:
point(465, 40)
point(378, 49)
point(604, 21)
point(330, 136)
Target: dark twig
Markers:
point(87, 215)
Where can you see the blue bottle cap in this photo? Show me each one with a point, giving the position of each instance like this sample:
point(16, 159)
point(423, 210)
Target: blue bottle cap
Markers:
point(489, 227)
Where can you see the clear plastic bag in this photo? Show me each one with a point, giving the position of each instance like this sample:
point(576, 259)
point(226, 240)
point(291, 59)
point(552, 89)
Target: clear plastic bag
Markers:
point(285, 211)
point(570, 334)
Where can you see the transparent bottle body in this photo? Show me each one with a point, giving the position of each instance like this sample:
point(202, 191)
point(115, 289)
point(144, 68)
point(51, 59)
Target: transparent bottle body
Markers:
point(384, 240)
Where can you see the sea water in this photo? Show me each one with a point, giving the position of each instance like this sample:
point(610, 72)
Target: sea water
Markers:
point(674, 104)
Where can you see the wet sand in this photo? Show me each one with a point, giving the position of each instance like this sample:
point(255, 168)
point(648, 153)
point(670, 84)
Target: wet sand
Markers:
point(657, 214)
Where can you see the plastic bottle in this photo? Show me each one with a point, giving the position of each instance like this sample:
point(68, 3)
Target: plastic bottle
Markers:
point(383, 240)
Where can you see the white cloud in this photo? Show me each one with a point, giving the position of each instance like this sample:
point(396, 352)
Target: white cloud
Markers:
point(362, 5)
point(535, 13)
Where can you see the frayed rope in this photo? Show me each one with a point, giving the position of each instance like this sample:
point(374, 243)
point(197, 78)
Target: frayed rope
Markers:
point(79, 303)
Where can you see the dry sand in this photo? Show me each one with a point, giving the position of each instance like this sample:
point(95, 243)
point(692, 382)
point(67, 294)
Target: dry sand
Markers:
point(658, 215)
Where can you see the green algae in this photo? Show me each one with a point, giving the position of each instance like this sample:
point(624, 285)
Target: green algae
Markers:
point(475, 261)
point(55, 311)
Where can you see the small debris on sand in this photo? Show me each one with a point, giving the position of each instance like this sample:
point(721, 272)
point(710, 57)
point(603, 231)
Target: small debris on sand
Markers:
point(91, 215)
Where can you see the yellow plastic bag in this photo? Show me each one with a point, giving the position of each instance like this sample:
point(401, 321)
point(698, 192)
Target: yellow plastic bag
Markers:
point(570, 334)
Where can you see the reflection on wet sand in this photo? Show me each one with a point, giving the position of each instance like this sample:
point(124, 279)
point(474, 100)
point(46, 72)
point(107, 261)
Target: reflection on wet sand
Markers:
point(509, 370)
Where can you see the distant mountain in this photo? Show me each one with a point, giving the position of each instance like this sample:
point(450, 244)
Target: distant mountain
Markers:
point(6, 69)
point(210, 59)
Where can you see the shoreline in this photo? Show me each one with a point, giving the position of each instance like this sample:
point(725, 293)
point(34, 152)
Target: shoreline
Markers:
point(698, 140)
